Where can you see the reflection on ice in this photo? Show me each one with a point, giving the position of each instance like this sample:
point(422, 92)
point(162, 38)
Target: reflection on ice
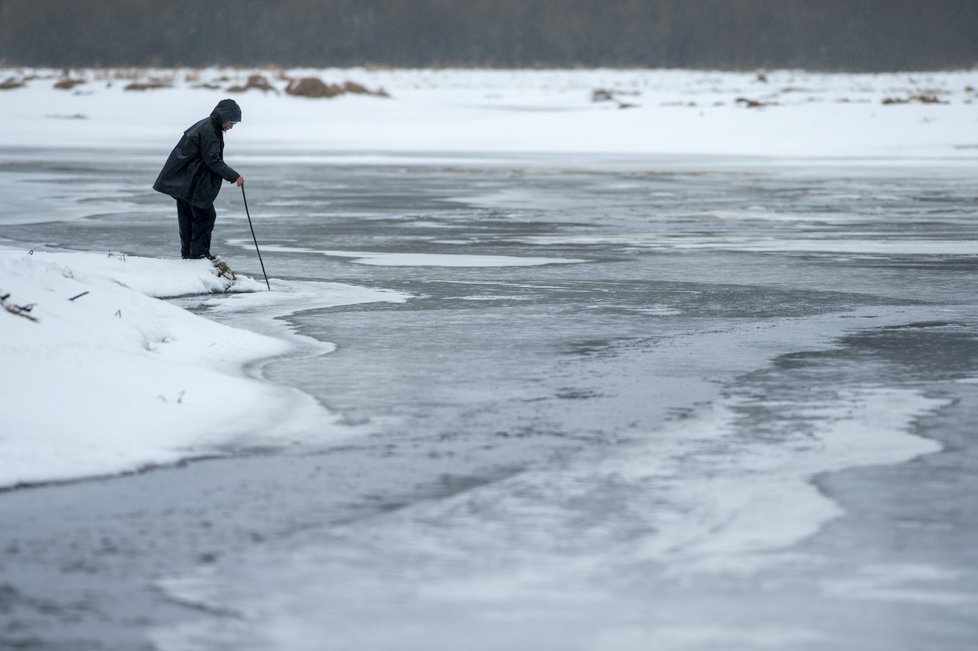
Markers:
point(31, 197)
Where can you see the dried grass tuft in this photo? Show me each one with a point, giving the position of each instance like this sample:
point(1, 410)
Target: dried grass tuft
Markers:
point(316, 88)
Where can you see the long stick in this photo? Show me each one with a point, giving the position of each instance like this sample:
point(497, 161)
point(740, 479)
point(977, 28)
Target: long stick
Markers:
point(243, 196)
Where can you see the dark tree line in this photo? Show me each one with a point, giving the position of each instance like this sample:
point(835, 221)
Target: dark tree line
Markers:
point(874, 35)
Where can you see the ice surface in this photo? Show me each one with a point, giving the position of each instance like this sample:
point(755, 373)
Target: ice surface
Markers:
point(742, 418)
point(382, 259)
point(903, 583)
point(542, 553)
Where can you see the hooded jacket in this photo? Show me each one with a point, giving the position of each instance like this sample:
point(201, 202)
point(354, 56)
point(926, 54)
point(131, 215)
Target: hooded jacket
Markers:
point(195, 167)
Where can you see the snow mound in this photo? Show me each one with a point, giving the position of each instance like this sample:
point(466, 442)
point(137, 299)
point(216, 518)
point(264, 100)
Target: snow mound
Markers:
point(100, 377)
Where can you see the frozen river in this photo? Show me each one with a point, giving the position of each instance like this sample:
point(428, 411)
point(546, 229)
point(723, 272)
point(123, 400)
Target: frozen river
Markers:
point(635, 403)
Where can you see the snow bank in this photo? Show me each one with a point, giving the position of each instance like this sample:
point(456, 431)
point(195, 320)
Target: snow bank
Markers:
point(99, 377)
point(780, 113)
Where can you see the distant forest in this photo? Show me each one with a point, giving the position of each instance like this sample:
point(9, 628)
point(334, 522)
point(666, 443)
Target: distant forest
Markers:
point(863, 35)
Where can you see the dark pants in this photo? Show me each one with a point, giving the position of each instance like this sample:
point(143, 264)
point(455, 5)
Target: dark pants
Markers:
point(196, 226)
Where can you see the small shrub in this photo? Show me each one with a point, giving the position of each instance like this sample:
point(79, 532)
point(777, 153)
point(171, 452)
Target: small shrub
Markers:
point(256, 82)
point(753, 103)
point(68, 84)
point(146, 85)
point(923, 98)
point(316, 88)
point(605, 95)
point(224, 270)
point(313, 87)
point(357, 89)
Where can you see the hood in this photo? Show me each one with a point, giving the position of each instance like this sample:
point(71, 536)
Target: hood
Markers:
point(227, 110)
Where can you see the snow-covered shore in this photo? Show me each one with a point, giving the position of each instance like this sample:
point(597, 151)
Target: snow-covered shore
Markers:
point(777, 113)
point(101, 377)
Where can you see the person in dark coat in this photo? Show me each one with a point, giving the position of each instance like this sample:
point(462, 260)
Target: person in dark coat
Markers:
point(193, 173)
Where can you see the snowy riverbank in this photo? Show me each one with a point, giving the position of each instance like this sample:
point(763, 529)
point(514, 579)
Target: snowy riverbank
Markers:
point(777, 113)
point(100, 377)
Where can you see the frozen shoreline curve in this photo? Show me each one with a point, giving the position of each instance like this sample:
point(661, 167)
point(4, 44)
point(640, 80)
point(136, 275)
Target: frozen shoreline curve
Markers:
point(104, 378)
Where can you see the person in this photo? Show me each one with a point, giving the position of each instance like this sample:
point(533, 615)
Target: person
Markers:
point(192, 175)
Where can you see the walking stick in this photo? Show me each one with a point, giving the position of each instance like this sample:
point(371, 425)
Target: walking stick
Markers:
point(243, 196)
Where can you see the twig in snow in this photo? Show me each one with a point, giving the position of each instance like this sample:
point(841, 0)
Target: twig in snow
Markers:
point(19, 310)
point(79, 296)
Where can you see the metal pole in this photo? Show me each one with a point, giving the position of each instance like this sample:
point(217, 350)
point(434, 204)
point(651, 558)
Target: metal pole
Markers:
point(243, 196)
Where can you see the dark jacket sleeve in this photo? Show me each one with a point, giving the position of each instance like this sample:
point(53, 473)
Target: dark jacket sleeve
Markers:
point(210, 151)
point(196, 167)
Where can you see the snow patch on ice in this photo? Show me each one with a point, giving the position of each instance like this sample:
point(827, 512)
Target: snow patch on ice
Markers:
point(382, 259)
point(919, 584)
point(753, 497)
point(839, 243)
point(828, 244)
